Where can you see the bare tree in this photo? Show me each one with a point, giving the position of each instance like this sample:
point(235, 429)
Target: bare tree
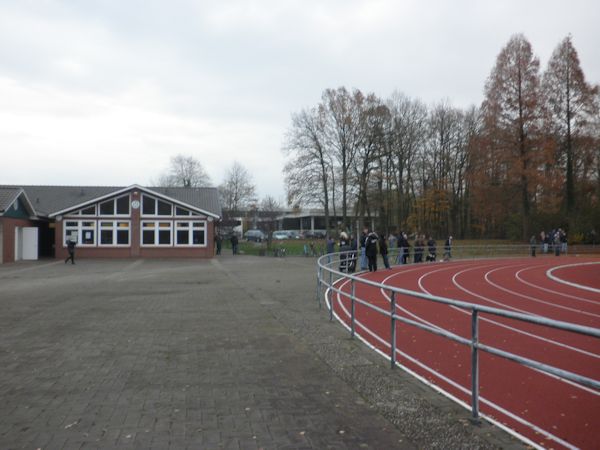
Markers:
point(308, 172)
point(270, 209)
point(405, 140)
point(184, 171)
point(373, 120)
point(237, 190)
point(341, 115)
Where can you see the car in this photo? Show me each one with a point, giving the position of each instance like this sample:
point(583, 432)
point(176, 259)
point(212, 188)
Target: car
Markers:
point(314, 234)
point(294, 234)
point(255, 235)
point(280, 235)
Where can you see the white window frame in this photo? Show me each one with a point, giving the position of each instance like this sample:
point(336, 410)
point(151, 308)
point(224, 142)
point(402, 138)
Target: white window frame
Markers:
point(80, 212)
point(80, 228)
point(114, 228)
point(114, 200)
point(188, 212)
point(156, 200)
point(202, 226)
point(156, 230)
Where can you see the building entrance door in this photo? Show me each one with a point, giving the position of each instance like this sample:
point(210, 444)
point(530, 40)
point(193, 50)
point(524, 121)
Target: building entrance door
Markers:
point(26, 243)
point(30, 243)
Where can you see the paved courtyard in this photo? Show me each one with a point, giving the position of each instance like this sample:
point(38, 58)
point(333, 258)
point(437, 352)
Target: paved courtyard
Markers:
point(174, 354)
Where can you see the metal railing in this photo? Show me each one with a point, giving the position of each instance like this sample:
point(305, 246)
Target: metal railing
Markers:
point(331, 278)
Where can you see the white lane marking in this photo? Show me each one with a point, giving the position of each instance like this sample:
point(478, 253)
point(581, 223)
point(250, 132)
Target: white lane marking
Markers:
point(491, 321)
point(534, 299)
point(574, 297)
point(517, 330)
point(569, 283)
point(438, 375)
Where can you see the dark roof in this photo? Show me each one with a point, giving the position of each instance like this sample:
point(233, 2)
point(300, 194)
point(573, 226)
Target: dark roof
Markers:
point(206, 198)
point(8, 195)
point(50, 199)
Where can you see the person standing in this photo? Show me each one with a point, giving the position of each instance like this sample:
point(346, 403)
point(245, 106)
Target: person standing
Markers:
point(448, 249)
point(544, 241)
point(563, 241)
point(383, 249)
point(330, 245)
point(218, 243)
point(363, 254)
point(345, 252)
point(234, 244)
point(556, 241)
point(532, 245)
point(71, 249)
point(371, 251)
point(403, 248)
point(432, 247)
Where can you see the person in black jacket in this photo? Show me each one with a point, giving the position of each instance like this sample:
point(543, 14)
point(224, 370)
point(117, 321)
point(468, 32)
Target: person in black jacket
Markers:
point(71, 249)
point(431, 257)
point(218, 243)
point(234, 244)
point(403, 249)
point(363, 242)
point(371, 250)
point(448, 249)
point(383, 249)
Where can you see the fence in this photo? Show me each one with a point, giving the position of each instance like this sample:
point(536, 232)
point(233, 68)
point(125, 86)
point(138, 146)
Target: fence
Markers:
point(329, 277)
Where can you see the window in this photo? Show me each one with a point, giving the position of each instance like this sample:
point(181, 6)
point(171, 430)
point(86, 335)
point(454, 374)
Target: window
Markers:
point(123, 205)
point(115, 207)
point(114, 233)
point(164, 208)
point(148, 234)
point(89, 211)
point(156, 233)
point(155, 207)
point(148, 206)
point(82, 231)
point(71, 231)
point(190, 233)
point(107, 208)
point(182, 212)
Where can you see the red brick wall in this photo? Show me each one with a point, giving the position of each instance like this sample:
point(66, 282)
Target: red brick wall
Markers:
point(8, 236)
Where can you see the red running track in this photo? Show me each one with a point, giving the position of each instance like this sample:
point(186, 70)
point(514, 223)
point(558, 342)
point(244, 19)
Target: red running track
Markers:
point(544, 410)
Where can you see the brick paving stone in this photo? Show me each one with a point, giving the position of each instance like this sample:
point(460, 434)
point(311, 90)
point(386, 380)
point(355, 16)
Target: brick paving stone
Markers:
point(174, 354)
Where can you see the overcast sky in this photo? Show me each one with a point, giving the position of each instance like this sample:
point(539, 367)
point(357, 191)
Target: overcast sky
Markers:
point(105, 92)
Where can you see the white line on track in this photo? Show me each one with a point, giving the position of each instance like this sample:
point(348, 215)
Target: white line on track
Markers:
point(485, 319)
point(438, 375)
point(536, 286)
point(569, 283)
point(534, 299)
point(534, 336)
point(517, 330)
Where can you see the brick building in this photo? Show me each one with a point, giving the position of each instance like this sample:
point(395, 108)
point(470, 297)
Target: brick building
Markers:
point(107, 222)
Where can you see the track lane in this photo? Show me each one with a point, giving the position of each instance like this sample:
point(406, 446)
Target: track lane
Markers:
point(449, 360)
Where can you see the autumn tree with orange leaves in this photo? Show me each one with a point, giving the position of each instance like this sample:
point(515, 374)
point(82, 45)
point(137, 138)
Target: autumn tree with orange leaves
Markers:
point(572, 105)
point(528, 159)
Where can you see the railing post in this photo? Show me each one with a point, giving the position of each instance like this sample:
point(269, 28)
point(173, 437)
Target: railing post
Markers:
point(319, 275)
point(352, 310)
point(330, 276)
point(393, 331)
point(475, 365)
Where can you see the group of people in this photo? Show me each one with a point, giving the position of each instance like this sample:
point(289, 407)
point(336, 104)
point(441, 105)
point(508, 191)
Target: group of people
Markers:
point(370, 245)
point(554, 241)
